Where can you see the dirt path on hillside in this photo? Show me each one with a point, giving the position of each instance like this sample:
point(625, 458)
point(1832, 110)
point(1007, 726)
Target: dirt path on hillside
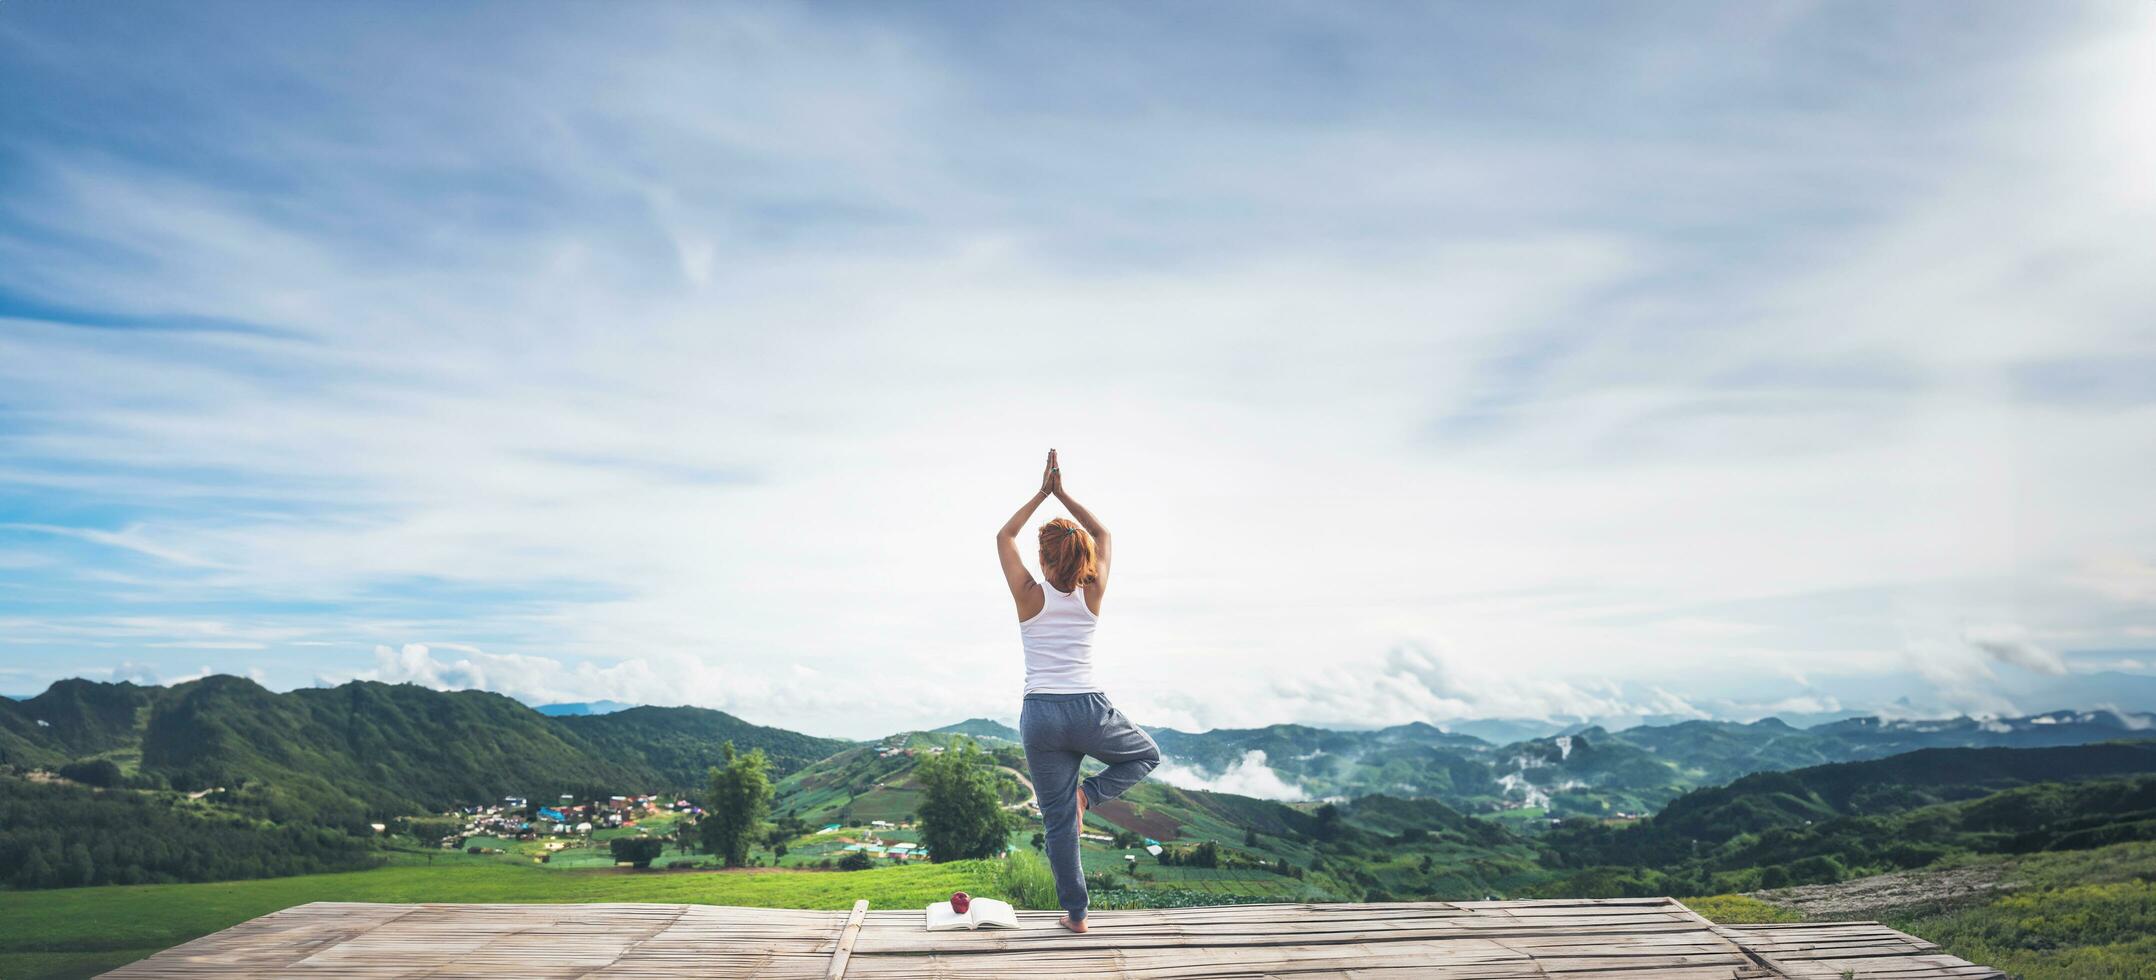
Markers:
point(1023, 780)
point(1898, 892)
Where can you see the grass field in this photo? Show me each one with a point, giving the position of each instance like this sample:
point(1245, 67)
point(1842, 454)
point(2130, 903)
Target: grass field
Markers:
point(2075, 915)
point(79, 932)
point(2079, 915)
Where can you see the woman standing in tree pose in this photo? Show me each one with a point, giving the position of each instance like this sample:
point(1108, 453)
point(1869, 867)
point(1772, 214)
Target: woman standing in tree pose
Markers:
point(1065, 717)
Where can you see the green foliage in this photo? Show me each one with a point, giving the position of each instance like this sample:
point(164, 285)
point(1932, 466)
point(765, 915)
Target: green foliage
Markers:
point(2087, 915)
point(856, 861)
point(740, 793)
point(92, 772)
point(55, 835)
point(637, 851)
point(961, 816)
point(1739, 909)
point(1328, 827)
point(425, 830)
point(1023, 879)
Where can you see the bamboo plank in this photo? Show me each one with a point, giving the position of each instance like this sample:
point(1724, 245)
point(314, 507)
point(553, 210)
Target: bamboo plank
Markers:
point(846, 938)
point(1608, 939)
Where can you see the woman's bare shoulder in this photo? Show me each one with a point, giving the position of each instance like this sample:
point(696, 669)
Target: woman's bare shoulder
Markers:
point(1031, 600)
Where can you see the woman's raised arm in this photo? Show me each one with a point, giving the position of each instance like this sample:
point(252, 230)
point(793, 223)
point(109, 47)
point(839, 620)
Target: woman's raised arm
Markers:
point(1103, 547)
point(1014, 568)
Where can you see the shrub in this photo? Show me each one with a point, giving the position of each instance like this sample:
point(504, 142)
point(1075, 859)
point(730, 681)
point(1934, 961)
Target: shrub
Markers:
point(1024, 880)
point(638, 851)
point(92, 772)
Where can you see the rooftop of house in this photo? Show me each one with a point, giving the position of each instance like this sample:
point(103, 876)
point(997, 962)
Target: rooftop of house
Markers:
point(1647, 937)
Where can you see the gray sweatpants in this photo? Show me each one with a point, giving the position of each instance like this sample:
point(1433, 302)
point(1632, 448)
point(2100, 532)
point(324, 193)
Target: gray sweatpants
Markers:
point(1060, 730)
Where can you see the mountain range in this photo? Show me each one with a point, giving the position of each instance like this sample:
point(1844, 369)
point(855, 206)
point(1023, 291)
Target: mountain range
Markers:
point(1585, 771)
point(365, 749)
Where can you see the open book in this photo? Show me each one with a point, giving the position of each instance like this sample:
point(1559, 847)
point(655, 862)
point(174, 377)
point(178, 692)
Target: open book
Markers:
point(981, 913)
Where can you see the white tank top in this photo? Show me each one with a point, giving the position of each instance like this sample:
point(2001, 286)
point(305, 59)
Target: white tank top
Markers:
point(1059, 643)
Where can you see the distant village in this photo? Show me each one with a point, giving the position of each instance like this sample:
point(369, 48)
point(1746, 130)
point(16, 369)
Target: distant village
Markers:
point(515, 818)
point(873, 844)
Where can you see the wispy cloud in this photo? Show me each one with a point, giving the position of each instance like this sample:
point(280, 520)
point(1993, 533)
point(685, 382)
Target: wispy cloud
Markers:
point(1251, 775)
point(689, 353)
point(2011, 645)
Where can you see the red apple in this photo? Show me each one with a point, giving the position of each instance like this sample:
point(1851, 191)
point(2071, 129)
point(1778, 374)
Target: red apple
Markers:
point(959, 902)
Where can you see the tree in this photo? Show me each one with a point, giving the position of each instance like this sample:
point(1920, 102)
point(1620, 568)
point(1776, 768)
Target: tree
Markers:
point(638, 851)
point(1250, 836)
point(1328, 826)
point(855, 861)
point(92, 772)
point(77, 868)
point(1207, 855)
point(960, 814)
point(740, 793)
point(36, 872)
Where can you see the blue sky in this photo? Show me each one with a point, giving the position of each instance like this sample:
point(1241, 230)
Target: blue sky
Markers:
point(1430, 361)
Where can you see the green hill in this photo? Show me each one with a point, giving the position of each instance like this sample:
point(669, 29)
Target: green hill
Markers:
point(361, 751)
point(365, 748)
point(1768, 800)
point(73, 719)
point(980, 728)
point(1826, 823)
point(875, 782)
point(680, 745)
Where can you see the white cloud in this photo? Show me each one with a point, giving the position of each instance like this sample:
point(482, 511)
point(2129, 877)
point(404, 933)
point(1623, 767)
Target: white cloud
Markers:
point(147, 674)
point(658, 360)
point(1411, 682)
point(2011, 645)
point(1250, 775)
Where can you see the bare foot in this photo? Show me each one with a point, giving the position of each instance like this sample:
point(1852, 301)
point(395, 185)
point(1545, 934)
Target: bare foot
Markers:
point(1065, 922)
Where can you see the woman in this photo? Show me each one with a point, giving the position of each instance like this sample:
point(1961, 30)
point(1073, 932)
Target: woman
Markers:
point(1065, 717)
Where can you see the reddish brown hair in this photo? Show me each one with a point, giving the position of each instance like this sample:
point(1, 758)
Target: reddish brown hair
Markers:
point(1067, 559)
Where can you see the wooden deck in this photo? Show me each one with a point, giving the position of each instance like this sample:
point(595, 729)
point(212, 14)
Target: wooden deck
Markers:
point(1617, 939)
